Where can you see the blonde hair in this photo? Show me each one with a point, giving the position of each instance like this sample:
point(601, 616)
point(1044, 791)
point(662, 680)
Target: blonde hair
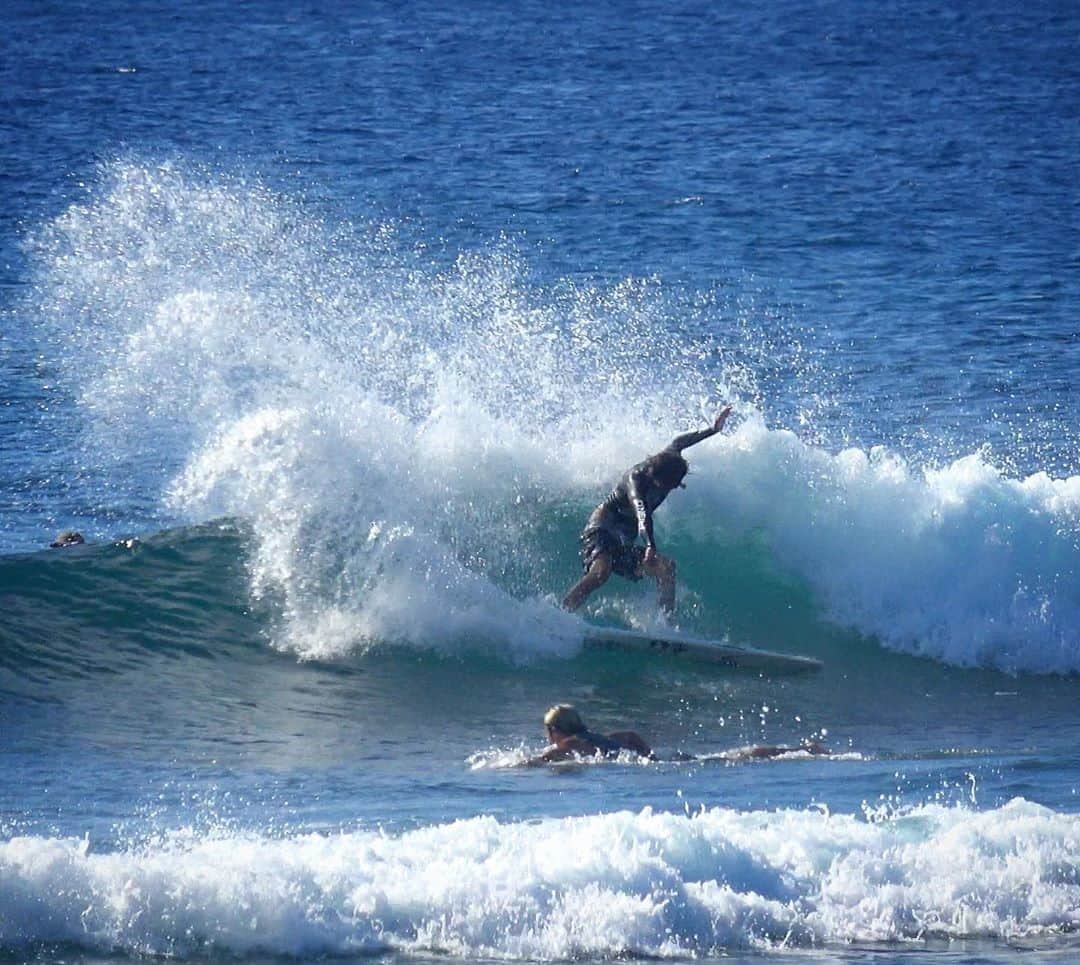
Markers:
point(565, 719)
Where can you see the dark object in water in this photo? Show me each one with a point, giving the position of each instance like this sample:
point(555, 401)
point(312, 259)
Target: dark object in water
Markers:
point(69, 537)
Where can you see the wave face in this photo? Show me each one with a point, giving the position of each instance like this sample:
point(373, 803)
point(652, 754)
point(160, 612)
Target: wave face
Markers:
point(413, 449)
point(101, 609)
point(623, 883)
point(960, 563)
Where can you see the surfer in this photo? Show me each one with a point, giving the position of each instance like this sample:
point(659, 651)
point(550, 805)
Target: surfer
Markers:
point(609, 540)
point(571, 738)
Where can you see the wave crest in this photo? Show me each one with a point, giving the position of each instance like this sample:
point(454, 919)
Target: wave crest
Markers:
point(654, 884)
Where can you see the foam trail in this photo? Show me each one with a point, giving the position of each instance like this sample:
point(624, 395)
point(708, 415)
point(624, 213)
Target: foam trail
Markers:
point(645, 883)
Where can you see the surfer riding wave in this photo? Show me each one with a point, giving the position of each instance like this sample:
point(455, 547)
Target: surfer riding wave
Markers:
point(609, 540)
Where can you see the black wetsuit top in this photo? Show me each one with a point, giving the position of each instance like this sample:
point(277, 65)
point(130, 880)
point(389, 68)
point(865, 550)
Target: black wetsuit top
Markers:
point(613, 527)
point(629, 506)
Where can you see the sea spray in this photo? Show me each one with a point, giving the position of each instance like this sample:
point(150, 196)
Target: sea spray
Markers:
point(393, 434)
point(415, 447)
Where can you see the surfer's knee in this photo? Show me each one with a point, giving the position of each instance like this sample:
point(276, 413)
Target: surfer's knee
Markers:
point(600, 568)
point(595, 576)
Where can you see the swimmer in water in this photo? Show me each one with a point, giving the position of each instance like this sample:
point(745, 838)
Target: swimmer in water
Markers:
point(570, 738)
point(69, 537)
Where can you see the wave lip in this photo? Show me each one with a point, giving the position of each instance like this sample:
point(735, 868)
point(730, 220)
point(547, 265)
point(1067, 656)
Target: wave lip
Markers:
point(649, 883)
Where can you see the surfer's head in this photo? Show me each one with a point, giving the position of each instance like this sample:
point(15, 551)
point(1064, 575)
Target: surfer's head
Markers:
point(669, 468)
point(564, 719)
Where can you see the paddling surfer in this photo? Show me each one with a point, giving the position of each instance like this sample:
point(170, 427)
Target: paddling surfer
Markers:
point(609, 540)
point(571, 738)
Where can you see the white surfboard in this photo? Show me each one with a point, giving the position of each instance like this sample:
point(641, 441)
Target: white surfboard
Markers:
point(674, 644)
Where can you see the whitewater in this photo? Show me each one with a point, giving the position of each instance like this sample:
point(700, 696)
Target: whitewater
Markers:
point(639, 884)
point(437, 428)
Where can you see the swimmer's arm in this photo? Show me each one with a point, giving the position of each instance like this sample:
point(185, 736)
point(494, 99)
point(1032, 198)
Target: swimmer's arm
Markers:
point(551, 755)
point(571, 747)
point(760, 751)
point(688, 439)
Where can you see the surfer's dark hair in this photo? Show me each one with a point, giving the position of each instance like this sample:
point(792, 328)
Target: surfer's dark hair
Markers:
point(669, 467)
point(564, 719)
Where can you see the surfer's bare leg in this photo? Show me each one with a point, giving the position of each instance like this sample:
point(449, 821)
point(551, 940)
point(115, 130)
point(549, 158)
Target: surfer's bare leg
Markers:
point(595, 577)
point(663, 570)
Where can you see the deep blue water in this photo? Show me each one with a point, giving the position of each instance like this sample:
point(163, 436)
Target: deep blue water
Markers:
point(328, 326)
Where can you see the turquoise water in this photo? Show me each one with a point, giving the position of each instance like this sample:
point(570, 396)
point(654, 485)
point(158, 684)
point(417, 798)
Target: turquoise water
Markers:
point(328, 329)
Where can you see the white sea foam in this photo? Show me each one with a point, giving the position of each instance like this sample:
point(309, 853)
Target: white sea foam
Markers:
point(415, 448)
point(502, 758)
point(960, 563)
point(397, 436)
point(624, 883)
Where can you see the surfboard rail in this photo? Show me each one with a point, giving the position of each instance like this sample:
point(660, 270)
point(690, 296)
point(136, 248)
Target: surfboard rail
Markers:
point(675, 644)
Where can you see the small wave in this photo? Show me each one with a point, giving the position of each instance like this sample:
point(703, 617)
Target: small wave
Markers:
point(646, 883)
point(96, 609)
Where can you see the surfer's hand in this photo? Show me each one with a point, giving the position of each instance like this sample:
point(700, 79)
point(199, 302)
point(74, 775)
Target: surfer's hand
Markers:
point(721, 418)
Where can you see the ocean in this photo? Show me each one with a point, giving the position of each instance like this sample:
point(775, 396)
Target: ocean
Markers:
point(328, 325)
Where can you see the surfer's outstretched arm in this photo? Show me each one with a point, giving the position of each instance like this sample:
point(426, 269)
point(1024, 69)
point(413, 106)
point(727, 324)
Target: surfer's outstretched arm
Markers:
point(688, 439)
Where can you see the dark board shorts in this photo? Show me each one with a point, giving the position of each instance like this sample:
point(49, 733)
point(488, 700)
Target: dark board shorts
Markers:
point(627, 557)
